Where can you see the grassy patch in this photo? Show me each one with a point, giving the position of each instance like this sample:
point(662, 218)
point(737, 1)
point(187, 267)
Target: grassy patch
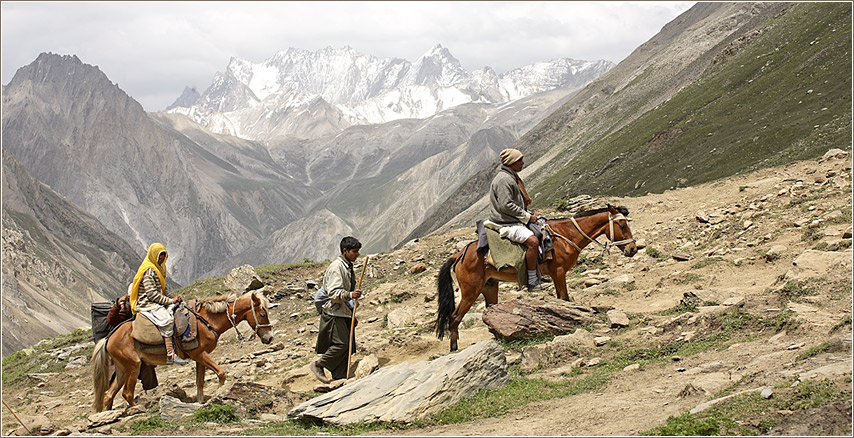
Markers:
point(17, 365)
point(222, 414)
point(654, 253)
point(795, 289)
point(519, 392)
point(818, 349)
point(518, 344)
point(812, 235)
point(148, 425)
point(707, 261)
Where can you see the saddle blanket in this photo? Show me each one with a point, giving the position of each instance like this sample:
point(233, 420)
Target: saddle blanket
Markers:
point(186, 331)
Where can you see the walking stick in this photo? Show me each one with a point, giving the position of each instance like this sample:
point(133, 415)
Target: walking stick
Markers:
point(353, 318)
point(16, 417)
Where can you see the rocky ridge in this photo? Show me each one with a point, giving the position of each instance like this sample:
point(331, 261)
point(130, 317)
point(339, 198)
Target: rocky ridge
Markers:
point(763, 258)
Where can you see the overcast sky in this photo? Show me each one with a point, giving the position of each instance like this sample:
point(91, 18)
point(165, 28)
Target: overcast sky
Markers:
point(153, 49)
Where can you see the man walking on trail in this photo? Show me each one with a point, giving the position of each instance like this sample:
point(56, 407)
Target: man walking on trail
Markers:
point(337, 294)
point(508, 202)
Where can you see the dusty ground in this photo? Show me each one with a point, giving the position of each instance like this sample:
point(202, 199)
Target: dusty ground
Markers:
point(747, 216)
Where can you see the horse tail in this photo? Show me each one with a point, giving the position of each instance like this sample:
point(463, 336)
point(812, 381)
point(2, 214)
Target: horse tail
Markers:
point(446, 297)
point(100, 373)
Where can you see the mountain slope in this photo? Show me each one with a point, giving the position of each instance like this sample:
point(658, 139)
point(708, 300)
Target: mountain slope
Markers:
point(665, 115)
point(205, 197)
point(57, 259)
point(775, 93)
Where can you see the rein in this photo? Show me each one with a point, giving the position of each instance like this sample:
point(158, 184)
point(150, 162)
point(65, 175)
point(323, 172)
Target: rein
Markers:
point(606, 247)
point(205, 322)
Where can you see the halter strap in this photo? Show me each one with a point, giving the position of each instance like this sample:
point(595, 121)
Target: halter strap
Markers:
point(605, 246)
point(233, 316)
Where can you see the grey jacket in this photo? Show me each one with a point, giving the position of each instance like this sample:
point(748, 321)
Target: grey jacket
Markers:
point(337, 282)
point(506, 204)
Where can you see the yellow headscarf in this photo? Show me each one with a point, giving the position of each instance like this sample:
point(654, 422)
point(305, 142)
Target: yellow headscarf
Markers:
point(150, 262)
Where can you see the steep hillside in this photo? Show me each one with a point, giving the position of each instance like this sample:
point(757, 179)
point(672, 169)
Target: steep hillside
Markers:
point(723, 89)
point(57, 259)
point(741, 285)
point(773, 93)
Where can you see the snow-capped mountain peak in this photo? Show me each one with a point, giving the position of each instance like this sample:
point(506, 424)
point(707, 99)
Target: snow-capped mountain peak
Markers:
point(363, 89)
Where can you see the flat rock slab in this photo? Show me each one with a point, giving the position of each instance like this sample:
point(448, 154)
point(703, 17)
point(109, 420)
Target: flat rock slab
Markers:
point(405, 392)
point(524, 317)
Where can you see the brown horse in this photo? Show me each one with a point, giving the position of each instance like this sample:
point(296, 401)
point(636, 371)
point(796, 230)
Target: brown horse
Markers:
point(570, 236)
point(221, 314)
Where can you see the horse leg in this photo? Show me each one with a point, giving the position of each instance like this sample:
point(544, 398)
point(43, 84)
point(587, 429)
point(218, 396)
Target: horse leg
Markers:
point(468, 295)
point(200, 381)
point(114, 388)
point(131, 374)
point(203, 361)
point(560, 283)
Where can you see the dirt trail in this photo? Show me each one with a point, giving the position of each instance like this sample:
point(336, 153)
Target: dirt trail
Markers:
point(726, 227)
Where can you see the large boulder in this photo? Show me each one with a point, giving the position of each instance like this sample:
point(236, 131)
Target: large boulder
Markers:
point(243, 279)
point(405, 392)
point(524, 317)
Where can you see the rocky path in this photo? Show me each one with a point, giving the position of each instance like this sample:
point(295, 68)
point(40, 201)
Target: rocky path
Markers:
point(739, 243)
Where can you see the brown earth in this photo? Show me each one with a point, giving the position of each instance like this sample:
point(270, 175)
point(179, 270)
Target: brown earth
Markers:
point(803, 206)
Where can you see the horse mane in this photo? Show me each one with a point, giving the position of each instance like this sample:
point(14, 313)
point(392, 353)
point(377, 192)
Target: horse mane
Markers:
point(623, 210)
point(219, 303)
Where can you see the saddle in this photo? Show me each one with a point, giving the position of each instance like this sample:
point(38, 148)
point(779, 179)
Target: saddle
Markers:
point(184, 335)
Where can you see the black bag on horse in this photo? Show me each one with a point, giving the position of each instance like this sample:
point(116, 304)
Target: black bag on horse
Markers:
point(100, 327)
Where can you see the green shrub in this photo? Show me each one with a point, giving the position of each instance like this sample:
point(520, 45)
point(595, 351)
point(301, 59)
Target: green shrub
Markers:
point(147, 425)
point(221, 414)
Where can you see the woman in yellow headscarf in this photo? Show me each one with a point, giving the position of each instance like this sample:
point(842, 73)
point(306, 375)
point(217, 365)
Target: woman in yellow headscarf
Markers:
point(149, 297)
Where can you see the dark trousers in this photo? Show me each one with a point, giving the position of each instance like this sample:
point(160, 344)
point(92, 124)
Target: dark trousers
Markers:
point(332, 340)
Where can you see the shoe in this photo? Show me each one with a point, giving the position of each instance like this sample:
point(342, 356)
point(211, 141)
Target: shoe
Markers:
point(318, 372)
point(174, 359)
point(537, 287)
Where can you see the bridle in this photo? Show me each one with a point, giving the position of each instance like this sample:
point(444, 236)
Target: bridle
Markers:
point(606, 247)
point(233, 316)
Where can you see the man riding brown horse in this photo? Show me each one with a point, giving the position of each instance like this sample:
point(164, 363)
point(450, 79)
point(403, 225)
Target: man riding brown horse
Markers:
point(508, 202)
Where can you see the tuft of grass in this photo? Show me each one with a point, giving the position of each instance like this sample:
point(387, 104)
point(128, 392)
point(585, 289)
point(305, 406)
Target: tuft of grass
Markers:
point(813, 351)
point(702, 263)
point(810, 394)
point(795, 289)
point(654, 253)
point(518, 344)
point(222, 414)
point(812, 234)
point(150, 424)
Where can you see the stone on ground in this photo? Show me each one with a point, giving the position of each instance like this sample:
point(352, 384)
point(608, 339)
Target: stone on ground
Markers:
point(522, 318)
point(406, 392)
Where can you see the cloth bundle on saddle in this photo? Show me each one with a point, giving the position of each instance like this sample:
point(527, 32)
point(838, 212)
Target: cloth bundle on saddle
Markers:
point(502, 253)
point(184, 335)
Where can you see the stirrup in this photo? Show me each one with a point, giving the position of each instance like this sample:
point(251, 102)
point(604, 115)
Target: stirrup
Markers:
point(174, 359)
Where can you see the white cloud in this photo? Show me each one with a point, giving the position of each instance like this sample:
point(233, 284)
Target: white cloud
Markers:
point(153, 49)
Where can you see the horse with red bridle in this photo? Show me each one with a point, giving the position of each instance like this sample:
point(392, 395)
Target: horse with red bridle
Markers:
point(215, 316)
point(570, 236)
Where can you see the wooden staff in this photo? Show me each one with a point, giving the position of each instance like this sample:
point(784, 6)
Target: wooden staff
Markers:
point(16, 417)
point(353, 318)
